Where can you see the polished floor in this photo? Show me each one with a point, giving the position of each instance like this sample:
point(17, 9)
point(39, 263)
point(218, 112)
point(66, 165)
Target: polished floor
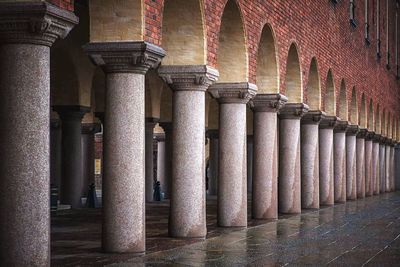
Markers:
point(363, 232)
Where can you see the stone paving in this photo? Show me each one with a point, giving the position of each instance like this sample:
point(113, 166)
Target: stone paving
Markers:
point(363, 232)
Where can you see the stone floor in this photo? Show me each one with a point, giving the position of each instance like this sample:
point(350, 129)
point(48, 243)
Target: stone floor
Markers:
point(363, 232)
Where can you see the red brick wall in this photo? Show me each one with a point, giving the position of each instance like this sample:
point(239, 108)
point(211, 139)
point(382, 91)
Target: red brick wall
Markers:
point(64, 4)
point(320, 29)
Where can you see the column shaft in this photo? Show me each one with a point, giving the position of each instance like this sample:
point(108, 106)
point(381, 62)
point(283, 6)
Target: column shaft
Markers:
point(213, 164)
point(368, 167)
point(351, 164)
point(382, 172)
point(375, 167)
point(387, 168)
point(339, 141)
point(149, 170)
point(360, 163)
point(167, 127)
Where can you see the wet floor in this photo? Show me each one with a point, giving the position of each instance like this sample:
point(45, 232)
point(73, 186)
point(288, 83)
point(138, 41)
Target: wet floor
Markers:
point(363, 232)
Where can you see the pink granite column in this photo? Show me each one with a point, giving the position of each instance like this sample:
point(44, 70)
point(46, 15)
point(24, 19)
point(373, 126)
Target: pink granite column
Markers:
point(27, 31)
point(339, 142)
point(289, 184)
point(397, 166)
point(375, 165)
point(232, 180)
point(392, 180)
point(187, 216)
point(368, 164)
point(387, 164)
point(326, 166)
point(125, 64)
point(382, 162)
point(213, 162)
point(265, 157)
point(360, 162)
point(149, 160)
point(351, 163)
point(167, 127)
point(310, 159)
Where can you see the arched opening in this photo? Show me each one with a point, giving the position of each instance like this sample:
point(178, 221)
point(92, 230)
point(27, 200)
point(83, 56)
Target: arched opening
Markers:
point(294, 90)
point(353, 107)
point(363, 113)
point(183, 35)
point(383, 123)
point(389, 126)
point(377, 120)
point(314, 87)
point(330, 96)
point(343, 112)
point(267, 67)
point(232, 61)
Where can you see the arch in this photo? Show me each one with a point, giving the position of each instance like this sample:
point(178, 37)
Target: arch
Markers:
point(353, 114)
point(377, 129)
point(267, 63)
point(232, 59)
point(363, 113)
point(343, 111)
point(294, 88)
point(389, 126)
point(314, 87)
point(383, 123)
point(330, 95)
point(183, 35)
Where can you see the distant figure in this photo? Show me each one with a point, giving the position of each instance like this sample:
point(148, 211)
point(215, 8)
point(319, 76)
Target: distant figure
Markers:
point(157, 191)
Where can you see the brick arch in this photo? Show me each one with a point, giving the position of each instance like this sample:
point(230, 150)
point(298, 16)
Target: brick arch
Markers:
point(330, 95)
point(362, 120)
point(267, 62)
point(293, 78)
point(183, 33)
point(378, 120)
point(353, 108)
point(383, 123)
point(342, 106)
point(232, 56)
point(389, 125)
point(314, 86)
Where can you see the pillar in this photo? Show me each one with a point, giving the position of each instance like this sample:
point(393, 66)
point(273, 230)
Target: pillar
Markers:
point(351, 162)
point(71, 177)
point(387, 164)
point(232, 178)
point(326, 166)
point(382, 163)
point(265, 155)
point(392, 166)
point(187, 217)
point(167, 127)
point(397, 166)
point(368, 164)
point(27, 31)
point(88, 176)
point(289, 185)
point(375, 166)
point(339, 142)
point(125, 64)
point(310, 159)
point(213, 163)
point(149, 160)
point(249, 167)
point(360, 162)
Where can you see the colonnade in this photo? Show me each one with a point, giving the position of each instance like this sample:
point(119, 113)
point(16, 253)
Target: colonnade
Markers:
point(302, 158)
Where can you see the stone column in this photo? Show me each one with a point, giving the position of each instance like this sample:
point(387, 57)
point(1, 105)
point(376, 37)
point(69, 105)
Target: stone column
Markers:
point(387, 164)
point(249, 163)
point(310, 159)
point(368, 164)
point(167, 127)
point(232, 180)
point(265, 155)
point(382, 163)
point(187, 217)
point(213, 163)
point(360, 162)
point(125, 64)
point(326, 166)
point(397, 166)
point(149, 172)
point(339, 142)
point(88, 176)
point(71, 177)
point(392, 179)
point(351, 162)
point(375, 165)
point(27, 31)
point(289, 158)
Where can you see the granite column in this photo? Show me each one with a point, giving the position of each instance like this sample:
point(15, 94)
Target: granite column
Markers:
point(213, 162)
point(360, 162)
point(339, 141)
point(351, 162)
point(368, 164)
point(382, 162)
point(375, 166)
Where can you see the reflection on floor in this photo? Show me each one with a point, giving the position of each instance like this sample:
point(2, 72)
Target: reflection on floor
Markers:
point(359, 232)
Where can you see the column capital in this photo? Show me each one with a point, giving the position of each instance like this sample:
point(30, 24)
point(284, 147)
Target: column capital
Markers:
point(377, 138)
point(341, 126)
point(38, 23)
point(362, 133)
point(370, 136)
point(328, 122)
point(313, 117)
point(233, 92)
point(352, 129)
point(72, 112)
point(268, 102)
point(213, 133)
point(160, 137)
point(293, 111)
point(188, 77)
point(124, 57)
